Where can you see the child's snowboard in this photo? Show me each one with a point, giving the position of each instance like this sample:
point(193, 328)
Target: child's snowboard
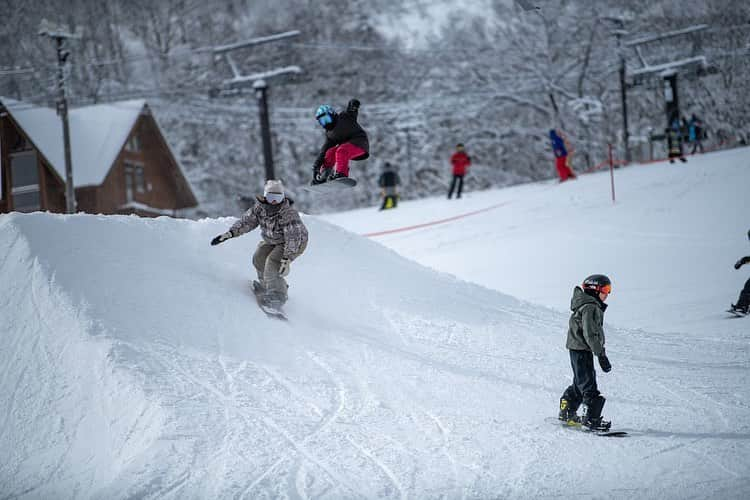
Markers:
point(340, 184)
point(736, 314)
point(574, 425)
point(271, 312)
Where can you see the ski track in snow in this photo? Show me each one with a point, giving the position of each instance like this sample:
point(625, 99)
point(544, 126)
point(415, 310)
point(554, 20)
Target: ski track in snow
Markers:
point(420, 385)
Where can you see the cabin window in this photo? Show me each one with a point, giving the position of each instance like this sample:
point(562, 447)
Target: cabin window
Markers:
point(134, 144)
point(135, 180)
point(24, 176)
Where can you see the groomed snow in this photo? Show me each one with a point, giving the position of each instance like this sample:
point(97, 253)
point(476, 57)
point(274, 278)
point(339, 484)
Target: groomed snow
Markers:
point(135, 363)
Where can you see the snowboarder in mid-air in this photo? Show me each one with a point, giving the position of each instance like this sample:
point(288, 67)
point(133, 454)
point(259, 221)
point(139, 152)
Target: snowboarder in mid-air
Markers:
point(586, 340)
point(345, 141)
point(743, 303)
point(284, 238)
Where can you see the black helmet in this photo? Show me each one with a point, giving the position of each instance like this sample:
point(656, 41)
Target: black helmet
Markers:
point(597, 282)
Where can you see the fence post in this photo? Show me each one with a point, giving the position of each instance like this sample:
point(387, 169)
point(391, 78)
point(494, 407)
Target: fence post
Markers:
point(612, 172)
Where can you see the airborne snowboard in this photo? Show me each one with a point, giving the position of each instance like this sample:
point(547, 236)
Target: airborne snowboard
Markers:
point(340, 184)
point(271, 312)
point(571, 424)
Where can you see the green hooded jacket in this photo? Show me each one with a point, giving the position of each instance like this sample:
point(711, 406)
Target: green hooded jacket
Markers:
point(586, 332)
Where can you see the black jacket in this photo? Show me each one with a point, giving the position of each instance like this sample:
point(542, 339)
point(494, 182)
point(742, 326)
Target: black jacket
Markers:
point(344, 129)
point(389, 178)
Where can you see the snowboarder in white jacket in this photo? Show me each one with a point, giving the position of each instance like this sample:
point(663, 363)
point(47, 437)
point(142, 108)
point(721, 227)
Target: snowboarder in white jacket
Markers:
point(284, 238)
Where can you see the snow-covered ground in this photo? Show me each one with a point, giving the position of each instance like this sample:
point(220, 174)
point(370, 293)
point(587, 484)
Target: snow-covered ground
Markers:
point(135, 363)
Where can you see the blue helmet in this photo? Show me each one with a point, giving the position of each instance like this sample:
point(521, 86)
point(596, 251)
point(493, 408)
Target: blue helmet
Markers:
point(324, 114)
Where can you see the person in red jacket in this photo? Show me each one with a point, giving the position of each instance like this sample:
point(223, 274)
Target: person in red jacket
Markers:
point(460, 161)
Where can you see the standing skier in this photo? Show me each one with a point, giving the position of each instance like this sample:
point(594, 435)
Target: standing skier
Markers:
point(743, 303)
point(586, 340)
point(284, 238)
point(460, 161)
point(345, 140)
point(389, 181)
point(561, 156)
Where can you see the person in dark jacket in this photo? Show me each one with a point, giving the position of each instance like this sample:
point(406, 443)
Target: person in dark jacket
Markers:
point(460, 162)
point(696, 133)
point(674, 140)
point(586, 340)
point(561, 156)
point(743, 303)
point(345, 141)
point(389, 182)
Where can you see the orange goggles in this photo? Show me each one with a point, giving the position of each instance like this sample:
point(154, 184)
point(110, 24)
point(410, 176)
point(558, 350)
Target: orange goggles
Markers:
point(605, 289)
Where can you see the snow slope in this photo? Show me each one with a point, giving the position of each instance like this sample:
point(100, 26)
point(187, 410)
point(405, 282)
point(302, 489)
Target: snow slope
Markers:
point(669, 242)
point(135, 364)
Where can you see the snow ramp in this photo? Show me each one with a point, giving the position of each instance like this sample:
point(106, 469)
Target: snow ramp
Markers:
point(136, 364)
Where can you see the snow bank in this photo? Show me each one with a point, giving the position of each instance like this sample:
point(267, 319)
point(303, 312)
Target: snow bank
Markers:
point(70, 419)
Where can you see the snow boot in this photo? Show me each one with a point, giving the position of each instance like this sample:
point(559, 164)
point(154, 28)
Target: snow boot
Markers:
point(591, 415)
point(274, 299)
point(738, 309)
point(321, 176)
point(567, 412)
point(336, 175)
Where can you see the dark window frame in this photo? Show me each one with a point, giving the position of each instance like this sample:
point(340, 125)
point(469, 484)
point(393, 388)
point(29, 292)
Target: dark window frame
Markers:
point(135, 179)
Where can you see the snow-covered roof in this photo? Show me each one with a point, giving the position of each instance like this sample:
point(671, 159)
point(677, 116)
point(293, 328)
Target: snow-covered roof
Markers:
point(97, 134)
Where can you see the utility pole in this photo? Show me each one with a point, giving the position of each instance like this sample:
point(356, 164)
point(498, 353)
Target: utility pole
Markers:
point(60, 37)
point(624, 104)
point(408, 151)
point(260, 85)
point(261, 89)
point(619, 33)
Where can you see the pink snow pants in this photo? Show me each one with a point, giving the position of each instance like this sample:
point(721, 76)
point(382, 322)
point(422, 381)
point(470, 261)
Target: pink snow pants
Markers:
point(340, 156)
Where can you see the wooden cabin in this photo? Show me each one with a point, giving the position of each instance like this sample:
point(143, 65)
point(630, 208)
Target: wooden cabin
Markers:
point(121, 161)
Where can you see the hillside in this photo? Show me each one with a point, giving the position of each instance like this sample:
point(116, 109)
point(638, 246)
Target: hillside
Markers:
point(135, 363)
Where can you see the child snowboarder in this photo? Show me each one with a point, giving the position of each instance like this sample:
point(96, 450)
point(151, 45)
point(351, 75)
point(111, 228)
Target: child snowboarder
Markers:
point(561, 156)
point(586, 340)
point(284, 238)
point(345, 140)
point(743, 303)
point(389, 181)
point(460, 161)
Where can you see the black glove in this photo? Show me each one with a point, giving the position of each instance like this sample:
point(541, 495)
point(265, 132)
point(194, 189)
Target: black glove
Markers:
point(604, 363)
point(743, 260)
point(738, 264)
point(221, 238)
point(353, 105)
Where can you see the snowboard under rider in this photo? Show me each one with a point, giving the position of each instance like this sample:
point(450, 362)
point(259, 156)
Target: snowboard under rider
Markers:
point(586, 340)
point(743, 303)
point(283, 239)
point(345, 141)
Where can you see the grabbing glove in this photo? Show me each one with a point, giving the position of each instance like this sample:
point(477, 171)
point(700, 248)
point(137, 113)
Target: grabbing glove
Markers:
point(284, 267)
point(741, 262)
point(353, 106)
point(604, 362)
point(221, 238)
